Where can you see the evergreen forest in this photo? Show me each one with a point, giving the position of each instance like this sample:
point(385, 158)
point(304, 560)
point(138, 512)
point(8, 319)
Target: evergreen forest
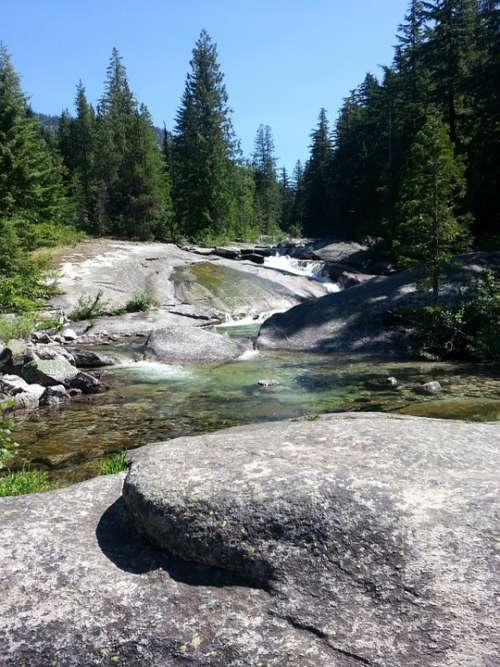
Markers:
point(422, 136)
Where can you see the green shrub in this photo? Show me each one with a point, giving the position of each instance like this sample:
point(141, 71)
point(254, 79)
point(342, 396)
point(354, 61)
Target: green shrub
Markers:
point(18, 483)
point(142, 301)
point(466, 329)
point(89, 307)
point(17, 327)
point(116, 463)
point(7, 443)
point(48, 235)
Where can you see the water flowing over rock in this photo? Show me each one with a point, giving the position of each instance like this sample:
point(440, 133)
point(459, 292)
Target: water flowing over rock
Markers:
point(356, 320)
point(354, 539)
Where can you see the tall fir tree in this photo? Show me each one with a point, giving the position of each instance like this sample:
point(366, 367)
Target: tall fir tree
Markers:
point(431, 224)
point(132, 190)
point(318, 209)
point(204, 151)
point(267, 190)
point(451, 56)
point(30, 178)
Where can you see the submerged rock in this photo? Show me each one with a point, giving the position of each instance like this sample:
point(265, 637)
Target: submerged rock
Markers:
point(191, 344)
point(432, 388)
point(55, 396)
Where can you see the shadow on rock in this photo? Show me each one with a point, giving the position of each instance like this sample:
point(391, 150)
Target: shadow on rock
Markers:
point(129, 551)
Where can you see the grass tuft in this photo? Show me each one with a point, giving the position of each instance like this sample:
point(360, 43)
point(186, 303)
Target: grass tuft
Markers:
point(116, 463)
point(142, 301)
point(20, 482)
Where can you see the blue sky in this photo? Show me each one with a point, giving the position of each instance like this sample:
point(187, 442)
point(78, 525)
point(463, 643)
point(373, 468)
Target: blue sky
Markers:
point(283, 59)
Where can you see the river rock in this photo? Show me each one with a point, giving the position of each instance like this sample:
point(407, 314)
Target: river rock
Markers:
point(358, 320)
point(25, 396)
point(49, 372)
point(432, 388)
point(86, 383)
point(69, 334)
point(55, 396)
point(191, 344)
point(345, 276)
point(268, 382)
point(90, 358)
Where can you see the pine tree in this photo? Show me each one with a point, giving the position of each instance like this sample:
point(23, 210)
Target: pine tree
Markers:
point(30, 178)
point(484, 147)
point(297, 222)
point(130, 191)
point(317, 182)
point(287, 201)
point(203, 151)
point(431, 226)
point(451, 56)
point(267, 190)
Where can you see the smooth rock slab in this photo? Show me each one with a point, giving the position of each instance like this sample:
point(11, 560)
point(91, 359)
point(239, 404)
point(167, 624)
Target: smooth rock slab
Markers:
point(376, 533)
point(191, 344)
point(79, 589)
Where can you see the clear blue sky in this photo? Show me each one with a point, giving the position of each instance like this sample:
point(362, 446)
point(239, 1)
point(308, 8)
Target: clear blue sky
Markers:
point(283, 59)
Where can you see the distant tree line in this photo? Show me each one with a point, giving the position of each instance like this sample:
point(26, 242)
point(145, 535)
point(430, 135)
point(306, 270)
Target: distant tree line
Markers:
point(414, 155)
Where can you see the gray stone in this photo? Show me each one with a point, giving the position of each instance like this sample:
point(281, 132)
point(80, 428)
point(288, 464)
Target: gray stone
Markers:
point(49, 372)
point(87, 384)
point(375, 533)
point(69, 334)
point(90, 358)
point(432, 388)
point(408, 577)
point(357, 320)
point(191, 344)
point(25, 396)
point(345, 276)
point(55, 396)
point(48, 352)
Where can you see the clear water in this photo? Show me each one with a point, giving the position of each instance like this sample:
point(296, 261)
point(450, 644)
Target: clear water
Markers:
point(149, 402)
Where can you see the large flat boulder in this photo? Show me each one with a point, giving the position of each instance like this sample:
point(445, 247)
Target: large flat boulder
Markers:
point(358, 539)
point(355, 320)
point(191, 344)
point(375, 533)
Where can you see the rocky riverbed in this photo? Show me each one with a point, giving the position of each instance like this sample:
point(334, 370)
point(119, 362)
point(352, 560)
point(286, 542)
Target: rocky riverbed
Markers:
point(297, 538)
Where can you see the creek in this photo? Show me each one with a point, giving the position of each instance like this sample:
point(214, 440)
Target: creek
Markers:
point(149, 401)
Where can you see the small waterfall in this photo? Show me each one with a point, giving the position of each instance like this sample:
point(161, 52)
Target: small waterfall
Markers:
point(312, 269)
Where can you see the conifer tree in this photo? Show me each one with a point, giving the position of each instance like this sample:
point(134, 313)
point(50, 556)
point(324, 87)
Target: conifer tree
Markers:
point(30, 180)
point(451, 53)
point(287, 201)
point(431, 225)
point(132, 190)
point(267, 190)
point(317, 182)
point(203, 151)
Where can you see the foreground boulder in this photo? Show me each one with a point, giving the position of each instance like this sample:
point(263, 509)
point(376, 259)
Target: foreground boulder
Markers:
point(374, 533)
point(191, 344)
point(358, 319)
point(356, 539)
